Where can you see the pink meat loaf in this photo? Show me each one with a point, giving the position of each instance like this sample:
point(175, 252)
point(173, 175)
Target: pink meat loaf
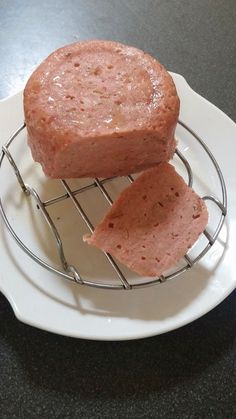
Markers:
point(153, 223)
point(98, 109)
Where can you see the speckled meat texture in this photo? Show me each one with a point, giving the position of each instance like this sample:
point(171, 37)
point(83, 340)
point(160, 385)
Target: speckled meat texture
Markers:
point(153, 223)
point(98, 109)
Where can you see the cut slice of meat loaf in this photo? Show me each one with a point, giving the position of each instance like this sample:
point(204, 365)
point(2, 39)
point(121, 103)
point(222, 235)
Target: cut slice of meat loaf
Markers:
point(153, 223)
point(98, 109)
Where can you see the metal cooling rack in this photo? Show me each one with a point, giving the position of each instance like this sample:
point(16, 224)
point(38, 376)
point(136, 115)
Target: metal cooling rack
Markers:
point(71, 272)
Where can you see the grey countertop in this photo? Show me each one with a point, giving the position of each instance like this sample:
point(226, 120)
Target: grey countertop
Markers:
point(188, 373)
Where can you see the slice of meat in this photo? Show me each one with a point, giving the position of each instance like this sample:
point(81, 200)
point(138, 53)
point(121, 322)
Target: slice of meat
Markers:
point(153, 223)
point(98, 109)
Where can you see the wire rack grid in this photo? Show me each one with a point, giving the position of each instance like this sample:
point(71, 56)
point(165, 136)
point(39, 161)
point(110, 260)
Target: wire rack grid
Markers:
point(71, 272)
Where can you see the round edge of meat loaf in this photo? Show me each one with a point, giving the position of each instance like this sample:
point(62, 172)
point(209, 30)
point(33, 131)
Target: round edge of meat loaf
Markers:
point(48, 133)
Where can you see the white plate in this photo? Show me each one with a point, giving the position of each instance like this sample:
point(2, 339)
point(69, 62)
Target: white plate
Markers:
point(44, 300)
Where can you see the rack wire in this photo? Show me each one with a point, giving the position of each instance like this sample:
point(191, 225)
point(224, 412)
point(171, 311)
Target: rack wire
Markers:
point(71, 272)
